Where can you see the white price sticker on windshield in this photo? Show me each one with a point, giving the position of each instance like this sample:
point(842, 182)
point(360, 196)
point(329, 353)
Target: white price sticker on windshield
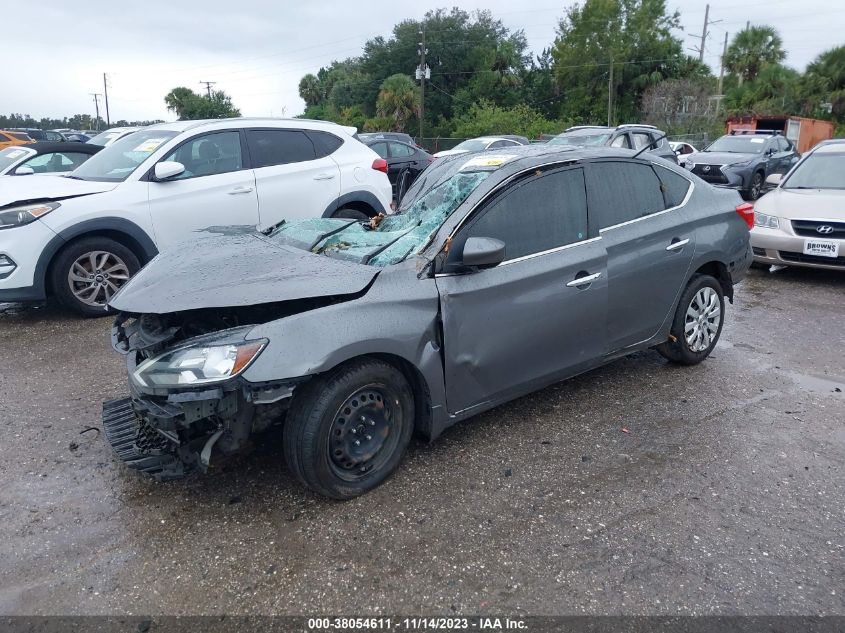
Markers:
point(15, 153)
point(758, 140)
point(487, 160)
point(149, 145)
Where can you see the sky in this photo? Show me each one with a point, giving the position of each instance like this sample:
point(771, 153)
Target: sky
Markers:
point(257, 50)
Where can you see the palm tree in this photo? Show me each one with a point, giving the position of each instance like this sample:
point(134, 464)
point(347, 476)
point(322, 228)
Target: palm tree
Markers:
point(310, 90)
point(397, 100)
point(751, 49)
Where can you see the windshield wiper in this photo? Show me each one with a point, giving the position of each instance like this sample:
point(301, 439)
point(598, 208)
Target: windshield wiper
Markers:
point(74, 177)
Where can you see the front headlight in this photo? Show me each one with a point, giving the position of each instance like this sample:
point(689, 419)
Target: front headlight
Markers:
point(198, 364)
point(689, 164)
point(19, 216)
point(746, 163)
point(765, 221)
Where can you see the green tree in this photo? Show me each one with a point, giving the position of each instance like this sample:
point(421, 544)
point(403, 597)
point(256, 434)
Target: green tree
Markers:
point(823, 85)
point(397, 101)
point(310, 90)
point(751, 49)
point(635, 37)
point(485, 118)
point(189, 105)
point(774, 90)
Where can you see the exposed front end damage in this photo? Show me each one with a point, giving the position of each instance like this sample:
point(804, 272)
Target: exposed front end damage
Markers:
point(167, 431)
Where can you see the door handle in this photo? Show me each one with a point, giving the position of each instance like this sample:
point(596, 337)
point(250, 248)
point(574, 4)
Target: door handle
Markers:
point(583, 281)
point(237, 190)
point(323, 176)
point(674, 246)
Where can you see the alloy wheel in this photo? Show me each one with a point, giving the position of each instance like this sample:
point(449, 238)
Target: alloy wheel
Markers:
point(95, 276)
point(702, 321)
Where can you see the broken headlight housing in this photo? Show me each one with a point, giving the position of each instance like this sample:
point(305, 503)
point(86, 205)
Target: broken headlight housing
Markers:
point(198, 364)
point(26, 214)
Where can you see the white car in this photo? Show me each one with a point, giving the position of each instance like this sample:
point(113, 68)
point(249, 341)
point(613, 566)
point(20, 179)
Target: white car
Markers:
point(802, 221)
point(682, 149)
point(479, 145)
point(80, 237)
point(111, 135)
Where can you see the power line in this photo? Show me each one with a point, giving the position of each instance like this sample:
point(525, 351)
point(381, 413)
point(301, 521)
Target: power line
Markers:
point(208, 85)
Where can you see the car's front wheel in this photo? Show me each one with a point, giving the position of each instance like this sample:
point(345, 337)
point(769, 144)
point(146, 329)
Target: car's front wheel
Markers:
point(756, 187)
point(346, 431)
point(87, 273)
point(698, 322)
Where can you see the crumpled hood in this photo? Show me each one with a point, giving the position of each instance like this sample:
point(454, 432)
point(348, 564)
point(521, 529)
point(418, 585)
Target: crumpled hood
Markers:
point(719, 158)
point(238, 269)
point(804, 204)
point(22, 189)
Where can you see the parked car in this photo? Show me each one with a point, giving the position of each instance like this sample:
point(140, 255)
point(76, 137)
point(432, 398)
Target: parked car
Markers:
point(500, 274)
point(681, 150)
point(77, 137)
point(479, 145)
point(9, 138)
point(82, 236)
point(111, 135)
point(743, 160)
point(368, 137)
point(627, 136)
point(44, 158)
point(42, 135)
point(404, 163)
point(802, 221)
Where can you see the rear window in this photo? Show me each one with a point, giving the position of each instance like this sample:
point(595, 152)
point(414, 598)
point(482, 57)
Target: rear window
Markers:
point(675, 186)
point(622, 191)
point(19, 136)
point(279, 147)
point(324, 142)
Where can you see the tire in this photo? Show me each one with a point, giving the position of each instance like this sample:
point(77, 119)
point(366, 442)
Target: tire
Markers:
point(319, 441)
point(352, 214)
point(684, 346)
point(115, 262)
point(756, 188)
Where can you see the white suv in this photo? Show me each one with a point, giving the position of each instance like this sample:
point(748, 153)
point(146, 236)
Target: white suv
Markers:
point(81, 236)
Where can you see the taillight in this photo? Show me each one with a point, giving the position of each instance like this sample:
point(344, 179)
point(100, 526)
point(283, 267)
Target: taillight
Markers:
point(379, 164)
point(746, 212)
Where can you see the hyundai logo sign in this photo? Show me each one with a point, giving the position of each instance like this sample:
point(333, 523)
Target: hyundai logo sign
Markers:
point(824, 229)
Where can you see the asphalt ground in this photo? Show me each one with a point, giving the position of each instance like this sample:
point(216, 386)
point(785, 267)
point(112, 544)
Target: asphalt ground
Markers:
point(639, 488)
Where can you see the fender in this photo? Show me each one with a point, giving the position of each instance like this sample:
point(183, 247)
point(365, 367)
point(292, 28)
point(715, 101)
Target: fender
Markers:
point(356, 196)
point(117, 225)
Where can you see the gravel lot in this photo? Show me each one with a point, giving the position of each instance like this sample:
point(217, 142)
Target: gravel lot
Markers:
point(725, 495)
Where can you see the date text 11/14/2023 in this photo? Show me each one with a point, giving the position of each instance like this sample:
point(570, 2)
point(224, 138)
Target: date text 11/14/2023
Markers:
point(416, 624)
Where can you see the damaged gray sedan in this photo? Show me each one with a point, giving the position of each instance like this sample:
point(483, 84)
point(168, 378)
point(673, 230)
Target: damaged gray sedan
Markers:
point(499, 274)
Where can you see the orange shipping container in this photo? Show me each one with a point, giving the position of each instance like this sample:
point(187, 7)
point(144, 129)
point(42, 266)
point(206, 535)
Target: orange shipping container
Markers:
point(804, 132)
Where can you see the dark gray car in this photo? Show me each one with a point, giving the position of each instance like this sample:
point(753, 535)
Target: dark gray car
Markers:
point(500, 274)
point(743, 160)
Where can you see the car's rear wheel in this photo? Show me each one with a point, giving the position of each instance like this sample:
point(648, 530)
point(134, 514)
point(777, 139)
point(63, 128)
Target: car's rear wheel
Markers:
point(88, 272)
point(698, 322)
point(352, 214)
point(347, 431)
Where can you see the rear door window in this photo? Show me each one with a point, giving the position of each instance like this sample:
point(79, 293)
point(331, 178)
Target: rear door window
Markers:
point(324, 142)
point(380, 149)
point(621, 141)
point(279, 147)
point(674, 186)
point(621, 191)
point(538, 214)
point(400, 150)
point(641, 139)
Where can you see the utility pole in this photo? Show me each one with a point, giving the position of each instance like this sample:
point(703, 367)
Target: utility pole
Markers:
point(610, 93)
point(722, 70)
point(208, 85)
point(106, 98)
point(96, 96)
point(704, 33)
point(423, 73)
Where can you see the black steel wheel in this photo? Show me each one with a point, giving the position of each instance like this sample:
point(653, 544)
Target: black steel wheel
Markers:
point(346, 431)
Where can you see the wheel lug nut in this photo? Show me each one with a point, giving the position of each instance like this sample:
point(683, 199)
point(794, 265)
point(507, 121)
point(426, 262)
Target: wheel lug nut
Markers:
point(357, 442)
point(372, 422)
point(369, 437)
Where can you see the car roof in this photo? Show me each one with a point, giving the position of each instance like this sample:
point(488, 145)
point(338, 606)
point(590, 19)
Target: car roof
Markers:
point(184, 126)
point(80, 148)
point(832, 146)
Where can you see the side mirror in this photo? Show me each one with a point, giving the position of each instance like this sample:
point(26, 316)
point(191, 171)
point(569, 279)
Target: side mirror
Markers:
point(773, 180)
point(168, 169)
point(483, 252)
point(24, 170)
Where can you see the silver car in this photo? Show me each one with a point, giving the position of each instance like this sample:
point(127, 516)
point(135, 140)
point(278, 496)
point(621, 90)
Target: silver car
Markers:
point(802, 222)
point(500, 274)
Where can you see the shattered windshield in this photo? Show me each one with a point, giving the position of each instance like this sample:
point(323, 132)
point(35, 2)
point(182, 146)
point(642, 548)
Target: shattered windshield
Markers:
point(389, 240)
